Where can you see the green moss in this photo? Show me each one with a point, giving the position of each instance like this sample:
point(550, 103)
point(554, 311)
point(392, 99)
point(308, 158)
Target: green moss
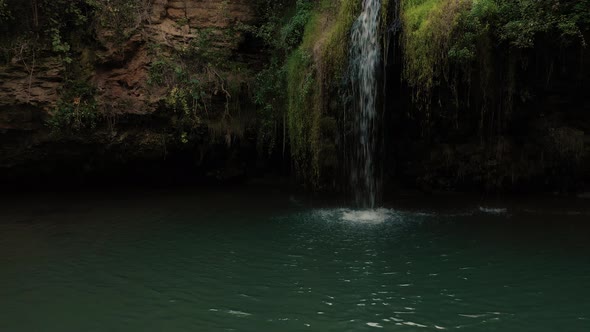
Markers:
point(313, 69)
point(428, 26)
point(441, 34)
point(334, 51)
point(310, 57)
point(301, 115)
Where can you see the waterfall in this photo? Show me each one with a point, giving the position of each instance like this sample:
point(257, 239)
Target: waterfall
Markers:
point(365, 59)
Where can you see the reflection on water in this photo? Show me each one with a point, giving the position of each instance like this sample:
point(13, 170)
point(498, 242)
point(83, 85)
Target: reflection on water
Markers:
point(264, 261)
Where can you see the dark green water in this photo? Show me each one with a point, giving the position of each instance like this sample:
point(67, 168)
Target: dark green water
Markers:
point(265, 261)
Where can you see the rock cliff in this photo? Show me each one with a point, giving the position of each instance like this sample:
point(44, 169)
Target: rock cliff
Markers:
point(134, 75)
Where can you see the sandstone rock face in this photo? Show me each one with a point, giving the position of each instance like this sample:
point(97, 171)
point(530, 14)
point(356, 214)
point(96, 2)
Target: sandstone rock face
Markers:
point(119, 70)
point(173, 24)
point(30, 83)
point(205, 13)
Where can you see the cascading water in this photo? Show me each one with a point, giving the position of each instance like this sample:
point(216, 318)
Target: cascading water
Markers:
point(365, 59)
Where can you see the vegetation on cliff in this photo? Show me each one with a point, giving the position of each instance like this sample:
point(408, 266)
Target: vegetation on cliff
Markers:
point(464, 71)
point(58, 24)
point(456, 56)
point(66, 30)
point(442, 39)
point(133, 79)
point(310, 58)
point(186, 74)
point(487, 74)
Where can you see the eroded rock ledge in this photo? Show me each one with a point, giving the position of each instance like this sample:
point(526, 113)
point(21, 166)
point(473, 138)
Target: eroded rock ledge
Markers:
point(133, 121)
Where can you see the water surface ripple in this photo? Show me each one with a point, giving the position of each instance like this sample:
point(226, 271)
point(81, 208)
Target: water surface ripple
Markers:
point(258, 262)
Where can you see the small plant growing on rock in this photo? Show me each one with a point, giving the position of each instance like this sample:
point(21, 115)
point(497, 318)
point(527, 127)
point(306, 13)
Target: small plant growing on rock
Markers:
point(76, 109)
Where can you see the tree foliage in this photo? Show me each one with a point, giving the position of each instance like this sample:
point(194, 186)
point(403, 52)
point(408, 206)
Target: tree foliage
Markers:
point(281, 29)
point(441, 34)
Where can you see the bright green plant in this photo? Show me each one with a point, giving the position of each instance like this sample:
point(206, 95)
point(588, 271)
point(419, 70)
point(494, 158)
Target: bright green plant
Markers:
point(428, 26)
point(309, 60)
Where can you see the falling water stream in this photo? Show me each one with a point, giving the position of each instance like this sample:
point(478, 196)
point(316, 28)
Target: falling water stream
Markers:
point(365, 57)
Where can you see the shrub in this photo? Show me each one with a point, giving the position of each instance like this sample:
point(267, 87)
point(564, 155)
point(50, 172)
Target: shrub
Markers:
point(76, 108)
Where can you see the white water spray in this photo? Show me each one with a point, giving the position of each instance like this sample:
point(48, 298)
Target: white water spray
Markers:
point(365, 58)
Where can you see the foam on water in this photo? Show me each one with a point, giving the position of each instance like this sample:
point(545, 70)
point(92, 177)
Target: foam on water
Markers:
point(388, 215)
point(363, 216)
point(373, 216)
point(496, 211)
